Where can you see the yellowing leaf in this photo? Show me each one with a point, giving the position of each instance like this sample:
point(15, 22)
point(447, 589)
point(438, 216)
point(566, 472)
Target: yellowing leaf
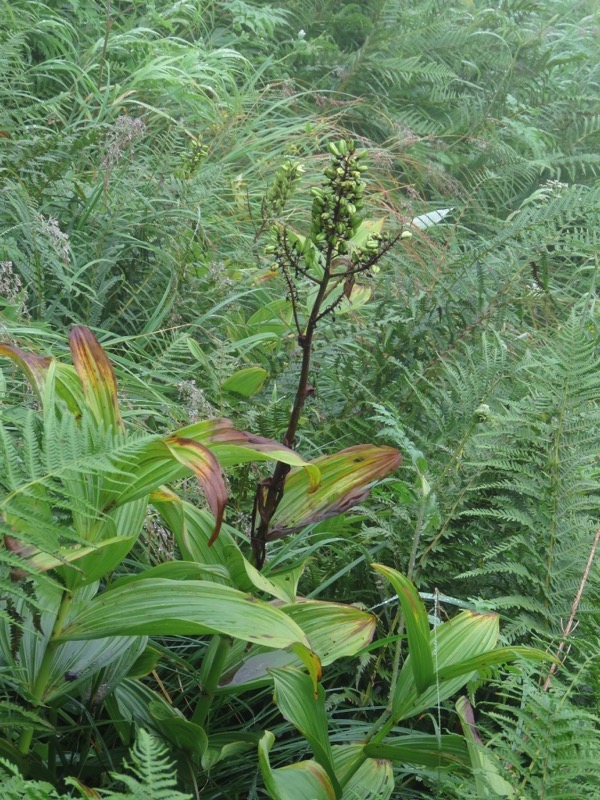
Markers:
point(333, 630)
point(97, 376)
point(34, 367)
point(346, 479)
point(233, 447)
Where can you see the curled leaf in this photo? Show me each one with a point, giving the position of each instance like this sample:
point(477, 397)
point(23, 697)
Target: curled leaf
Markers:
point(97, 376)
point(232, 447)
point(207, 469)
point(34, 367)
point(347, 478)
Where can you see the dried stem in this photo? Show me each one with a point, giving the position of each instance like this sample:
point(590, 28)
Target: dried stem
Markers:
point(574, 608)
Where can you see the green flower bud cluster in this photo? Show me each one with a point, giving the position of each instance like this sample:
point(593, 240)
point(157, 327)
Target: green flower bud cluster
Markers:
point(286, 179)
point(336, 204)
point(193, 158)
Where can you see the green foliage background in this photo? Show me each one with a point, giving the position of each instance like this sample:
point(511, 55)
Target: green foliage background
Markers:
point(138, 145)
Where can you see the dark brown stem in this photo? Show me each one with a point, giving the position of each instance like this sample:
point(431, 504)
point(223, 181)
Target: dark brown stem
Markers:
point(270, 491)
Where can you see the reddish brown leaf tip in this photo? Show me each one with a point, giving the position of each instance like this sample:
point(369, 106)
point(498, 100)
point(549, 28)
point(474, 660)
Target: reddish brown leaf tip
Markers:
point(96, 374)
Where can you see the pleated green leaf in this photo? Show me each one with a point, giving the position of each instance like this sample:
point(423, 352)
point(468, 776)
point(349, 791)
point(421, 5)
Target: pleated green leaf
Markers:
point(417, 626)
point(466, 636)
point(425, 750)
point(373, 780)
point(296, 700)
point(501, 655)
point(159, 606)
point(245, 382)
point(306, 780)
point(177, 730)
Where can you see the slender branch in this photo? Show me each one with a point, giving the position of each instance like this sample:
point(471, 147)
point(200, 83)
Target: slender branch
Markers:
point(574, 608)
point(270, 491)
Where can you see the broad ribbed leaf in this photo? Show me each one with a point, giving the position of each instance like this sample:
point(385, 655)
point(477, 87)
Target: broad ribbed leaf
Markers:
point(296, 700)
point(417, 626)
point(312, 663)
point(228, 745)
point(333, 630)
point(192, 528)
point(245, 382)
point(163, 607)
point(346, 479)
point(247, 578)
point(233, 447)
point(130, 703)
point(100, 560)
point(306, 780)
point(34, 367)
point(374, 780)
point(502, 655)
point(69, 665)
point(145, 467)
point(176, 571)
point(466, 636)
point(37, 368)
point(97, 376)
point(426, 750)
point(255, 670)
point(177, 730)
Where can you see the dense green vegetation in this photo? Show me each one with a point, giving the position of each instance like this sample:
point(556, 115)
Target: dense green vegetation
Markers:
point(348, 254)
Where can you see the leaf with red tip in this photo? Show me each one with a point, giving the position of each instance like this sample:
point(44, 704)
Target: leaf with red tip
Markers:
point(150, 463)
point(346, 479)
point(37, 369)
point(233, 447)
point(97, 376)
point(34, 367)
point(207, 469)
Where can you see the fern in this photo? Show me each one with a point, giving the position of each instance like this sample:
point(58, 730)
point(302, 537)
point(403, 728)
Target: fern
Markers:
point(153, 778)
point(544, 743)
point(537, 484)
